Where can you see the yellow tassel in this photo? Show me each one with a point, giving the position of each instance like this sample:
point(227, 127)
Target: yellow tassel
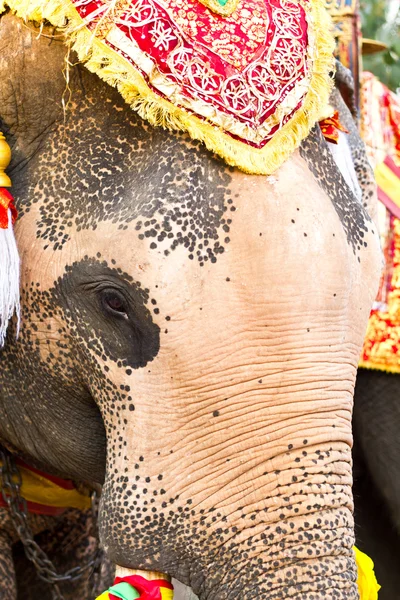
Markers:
point(368, 587)
point(116, 71)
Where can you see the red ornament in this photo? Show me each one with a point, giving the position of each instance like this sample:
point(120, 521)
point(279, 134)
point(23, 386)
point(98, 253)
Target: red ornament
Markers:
point(148, 589)
point(6, 204)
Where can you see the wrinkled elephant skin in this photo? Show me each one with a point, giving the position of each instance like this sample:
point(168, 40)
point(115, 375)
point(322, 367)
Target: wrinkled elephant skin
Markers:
point(201, 324)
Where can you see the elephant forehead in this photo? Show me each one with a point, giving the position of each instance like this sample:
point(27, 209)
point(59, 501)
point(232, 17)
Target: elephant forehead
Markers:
point(83, 178)
point(106, 166)
point(279, 241)
point(162, 206)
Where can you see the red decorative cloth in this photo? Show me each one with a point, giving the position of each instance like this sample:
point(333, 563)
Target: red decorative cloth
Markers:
point(247, 72)
point(6, 204)
point(330, 128)
point(249, 78)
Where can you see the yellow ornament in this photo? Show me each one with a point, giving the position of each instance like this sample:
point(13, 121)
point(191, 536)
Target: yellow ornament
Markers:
point(5, 158)
point(368, 586)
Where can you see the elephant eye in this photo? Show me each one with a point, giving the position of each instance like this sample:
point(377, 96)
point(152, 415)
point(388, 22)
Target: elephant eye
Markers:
point(114, 303)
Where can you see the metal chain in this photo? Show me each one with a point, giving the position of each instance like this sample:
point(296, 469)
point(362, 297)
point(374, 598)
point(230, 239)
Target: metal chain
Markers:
point(10, 484)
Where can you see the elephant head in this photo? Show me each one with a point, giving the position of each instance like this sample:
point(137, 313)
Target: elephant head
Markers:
point(189, 338)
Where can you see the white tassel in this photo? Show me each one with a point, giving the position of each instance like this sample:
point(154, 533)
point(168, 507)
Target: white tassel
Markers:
point(9, 279)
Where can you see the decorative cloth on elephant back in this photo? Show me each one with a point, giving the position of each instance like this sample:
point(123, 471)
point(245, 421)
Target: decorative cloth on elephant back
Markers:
point(249, 78)
point(380, 130)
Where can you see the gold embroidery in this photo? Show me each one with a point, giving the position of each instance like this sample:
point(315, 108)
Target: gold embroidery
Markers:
point(268, 99)
point(221, 36)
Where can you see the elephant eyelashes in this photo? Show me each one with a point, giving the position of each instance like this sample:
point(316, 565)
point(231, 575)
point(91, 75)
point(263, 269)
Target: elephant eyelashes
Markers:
point(114, 303)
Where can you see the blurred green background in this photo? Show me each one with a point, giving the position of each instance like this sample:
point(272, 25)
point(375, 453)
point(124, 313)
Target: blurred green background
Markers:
point(381, 21)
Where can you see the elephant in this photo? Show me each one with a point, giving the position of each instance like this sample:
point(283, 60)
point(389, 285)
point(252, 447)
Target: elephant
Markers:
point(189, 337)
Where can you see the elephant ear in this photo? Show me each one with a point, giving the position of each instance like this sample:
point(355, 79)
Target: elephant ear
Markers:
point(344, 82)
point(9, 257)
point(343, 100)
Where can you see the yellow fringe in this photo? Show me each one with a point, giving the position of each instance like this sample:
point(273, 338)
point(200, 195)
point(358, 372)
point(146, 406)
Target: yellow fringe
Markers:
point(116, 71)
point(377, 367)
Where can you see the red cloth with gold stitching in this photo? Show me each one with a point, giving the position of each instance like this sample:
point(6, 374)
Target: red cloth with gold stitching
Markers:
point(380, 130)
point(249, 78)
point(245, 66)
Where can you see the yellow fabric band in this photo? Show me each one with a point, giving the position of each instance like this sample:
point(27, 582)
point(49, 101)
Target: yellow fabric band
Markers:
point(388, 182)
point(166, 594)
point(40, 490)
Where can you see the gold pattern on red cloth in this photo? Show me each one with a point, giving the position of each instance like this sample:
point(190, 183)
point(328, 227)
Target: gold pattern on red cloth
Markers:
point(247, 72)
point(382, 342)
point(249, 84)
point(331, 126)
point(236, 39)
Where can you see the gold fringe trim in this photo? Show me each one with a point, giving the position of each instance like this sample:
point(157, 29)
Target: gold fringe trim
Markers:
point(116, 71)
point(394, 370)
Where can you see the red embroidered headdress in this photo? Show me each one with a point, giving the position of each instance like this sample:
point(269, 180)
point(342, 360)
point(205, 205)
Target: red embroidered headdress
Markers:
point(247, 77)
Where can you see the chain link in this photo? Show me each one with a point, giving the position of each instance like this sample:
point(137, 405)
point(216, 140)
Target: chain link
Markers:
point(10, 484)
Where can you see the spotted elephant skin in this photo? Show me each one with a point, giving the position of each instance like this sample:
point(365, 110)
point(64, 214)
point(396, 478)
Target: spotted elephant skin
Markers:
point(189, 339)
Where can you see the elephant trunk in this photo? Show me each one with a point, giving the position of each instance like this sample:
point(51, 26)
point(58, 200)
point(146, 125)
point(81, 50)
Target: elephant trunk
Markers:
point(286, 533)
point(297, 543)
point(311, 561)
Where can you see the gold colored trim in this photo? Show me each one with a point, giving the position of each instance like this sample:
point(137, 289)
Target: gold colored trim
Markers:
point(393, 369)
point(107, 22)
